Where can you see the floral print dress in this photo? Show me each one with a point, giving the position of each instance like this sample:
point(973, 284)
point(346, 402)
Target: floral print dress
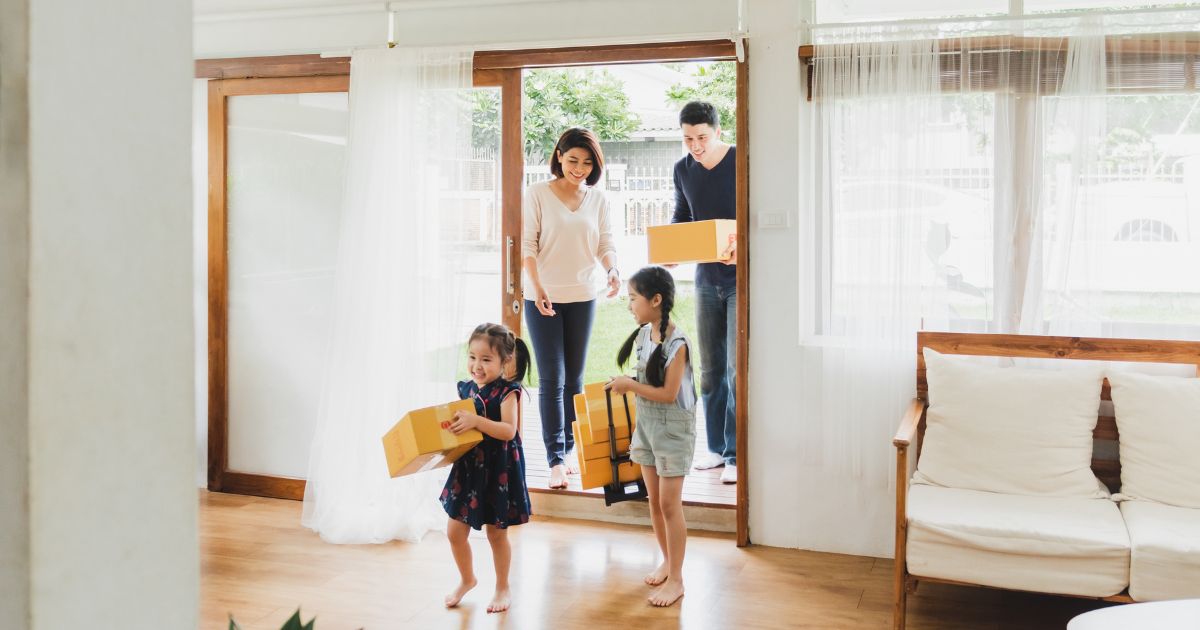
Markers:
point(486, 485)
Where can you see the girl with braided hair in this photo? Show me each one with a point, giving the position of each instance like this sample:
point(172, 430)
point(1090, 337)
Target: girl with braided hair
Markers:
point(665, 435)
point(486, 486)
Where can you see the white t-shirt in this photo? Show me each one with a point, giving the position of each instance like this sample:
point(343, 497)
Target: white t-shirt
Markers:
point(566, 245)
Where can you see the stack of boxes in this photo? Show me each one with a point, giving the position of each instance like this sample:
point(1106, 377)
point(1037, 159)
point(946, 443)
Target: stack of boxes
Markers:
point(592, 437)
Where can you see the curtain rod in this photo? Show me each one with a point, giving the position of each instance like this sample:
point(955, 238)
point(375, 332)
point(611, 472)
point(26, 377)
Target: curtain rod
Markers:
point(1001, 17)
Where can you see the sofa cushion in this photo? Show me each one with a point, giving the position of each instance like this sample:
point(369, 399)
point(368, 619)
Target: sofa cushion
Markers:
point(1158, 418)
point(1165, 542)
point(1010, 430)
point(1067, 545)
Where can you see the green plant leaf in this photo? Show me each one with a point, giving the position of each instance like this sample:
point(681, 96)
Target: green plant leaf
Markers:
point(294, 622)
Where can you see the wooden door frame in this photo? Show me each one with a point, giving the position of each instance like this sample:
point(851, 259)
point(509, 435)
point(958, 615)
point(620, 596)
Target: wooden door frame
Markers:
point(491, 69)
point(220, 477)
point(512, 174)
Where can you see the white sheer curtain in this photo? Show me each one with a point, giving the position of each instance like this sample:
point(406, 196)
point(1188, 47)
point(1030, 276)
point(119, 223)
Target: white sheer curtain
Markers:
point(991, 175)
point(396, 313)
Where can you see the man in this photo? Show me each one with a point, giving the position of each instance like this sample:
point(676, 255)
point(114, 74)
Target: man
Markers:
point(705, 188)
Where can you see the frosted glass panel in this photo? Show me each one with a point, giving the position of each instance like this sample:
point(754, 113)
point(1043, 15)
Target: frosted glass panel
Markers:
point(286, 155)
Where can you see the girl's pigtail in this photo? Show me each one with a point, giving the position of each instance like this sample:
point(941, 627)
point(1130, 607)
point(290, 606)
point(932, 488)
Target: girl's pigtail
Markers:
point(523, 359)
point(627, 349)
point(656, 367)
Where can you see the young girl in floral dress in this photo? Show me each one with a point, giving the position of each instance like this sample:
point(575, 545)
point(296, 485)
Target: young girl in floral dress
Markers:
point(486, 486)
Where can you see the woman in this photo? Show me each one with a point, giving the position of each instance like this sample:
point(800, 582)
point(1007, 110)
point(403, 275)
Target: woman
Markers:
point(566, 233)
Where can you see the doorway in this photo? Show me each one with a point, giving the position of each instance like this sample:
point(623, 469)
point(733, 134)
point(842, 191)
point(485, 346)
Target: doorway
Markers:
point(498, 237)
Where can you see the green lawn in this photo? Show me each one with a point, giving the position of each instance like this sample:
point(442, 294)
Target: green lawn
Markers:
point(612, 326)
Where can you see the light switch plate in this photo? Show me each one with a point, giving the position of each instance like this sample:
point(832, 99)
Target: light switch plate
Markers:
point(772, 220)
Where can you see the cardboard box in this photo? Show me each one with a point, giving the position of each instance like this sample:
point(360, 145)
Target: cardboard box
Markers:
point(595, 450)
point(691, 241)
point(422, 440)
point(593, 416)
point(595, 473)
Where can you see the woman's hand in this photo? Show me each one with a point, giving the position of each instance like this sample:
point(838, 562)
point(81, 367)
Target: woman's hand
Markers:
point(620, 385)
point(614, 282)
point(542, 301)
point(464, 421)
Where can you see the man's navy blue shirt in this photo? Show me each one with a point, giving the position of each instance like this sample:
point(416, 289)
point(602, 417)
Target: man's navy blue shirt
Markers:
point(702, 194)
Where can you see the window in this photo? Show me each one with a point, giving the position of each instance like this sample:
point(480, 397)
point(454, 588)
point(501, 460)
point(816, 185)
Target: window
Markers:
point(1036, 184)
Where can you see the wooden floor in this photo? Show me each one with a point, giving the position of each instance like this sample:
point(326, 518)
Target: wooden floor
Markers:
point(700, 487)
point(259, 564)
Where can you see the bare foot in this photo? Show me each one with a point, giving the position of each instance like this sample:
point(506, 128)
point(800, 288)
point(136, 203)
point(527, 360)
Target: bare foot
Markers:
point(657, 576)
point(500, 601)
point(572, 463)
point(558, 477)
point(667, 594)
point(453, 598)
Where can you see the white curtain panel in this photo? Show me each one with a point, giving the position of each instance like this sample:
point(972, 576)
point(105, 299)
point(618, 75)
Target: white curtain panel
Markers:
point(397, 312)
point(960, 185)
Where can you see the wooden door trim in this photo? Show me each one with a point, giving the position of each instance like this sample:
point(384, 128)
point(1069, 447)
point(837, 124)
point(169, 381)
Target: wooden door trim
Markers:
point(742, 377)
point(707, 50)
point(279, 66)
point(218, 290)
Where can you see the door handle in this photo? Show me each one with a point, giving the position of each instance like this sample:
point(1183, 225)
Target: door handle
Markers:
point(508, 263)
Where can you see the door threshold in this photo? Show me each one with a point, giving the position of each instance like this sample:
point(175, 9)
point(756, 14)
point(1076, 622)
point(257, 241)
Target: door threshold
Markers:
point(590, 506)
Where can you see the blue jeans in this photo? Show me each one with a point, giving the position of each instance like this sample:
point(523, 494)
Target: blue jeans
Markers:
point(716, 321)
point(560, 349)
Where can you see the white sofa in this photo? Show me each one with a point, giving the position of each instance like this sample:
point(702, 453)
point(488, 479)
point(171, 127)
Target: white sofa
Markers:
point(1004, 490)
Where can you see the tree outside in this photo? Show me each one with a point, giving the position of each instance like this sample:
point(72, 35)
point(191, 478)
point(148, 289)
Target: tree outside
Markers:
point(717, 84)
point(555, 100)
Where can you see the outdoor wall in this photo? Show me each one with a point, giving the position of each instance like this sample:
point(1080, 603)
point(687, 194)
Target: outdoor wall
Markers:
point(97, 505)
point(792, 504)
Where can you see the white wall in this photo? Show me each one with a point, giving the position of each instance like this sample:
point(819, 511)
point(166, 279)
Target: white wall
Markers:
point(793, 503)
point(14, 312)
point(107, 507)
point(223, 34)
point(200, 270)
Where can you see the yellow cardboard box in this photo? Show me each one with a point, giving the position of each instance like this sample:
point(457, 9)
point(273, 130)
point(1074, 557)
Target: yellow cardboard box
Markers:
point(593, 416)
point(595, 450)
point(597, 472)
point(691, 241)
point(422, 440)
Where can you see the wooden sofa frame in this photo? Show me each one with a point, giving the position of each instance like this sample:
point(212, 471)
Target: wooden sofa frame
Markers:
point(912, 425)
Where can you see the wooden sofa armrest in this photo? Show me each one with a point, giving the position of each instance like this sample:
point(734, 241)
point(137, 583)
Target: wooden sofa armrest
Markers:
point(908, 424)
point(906, 434)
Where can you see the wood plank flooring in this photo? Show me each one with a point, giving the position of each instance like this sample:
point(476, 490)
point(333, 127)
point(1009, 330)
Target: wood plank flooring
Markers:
point(259, 564)
point(700, 487)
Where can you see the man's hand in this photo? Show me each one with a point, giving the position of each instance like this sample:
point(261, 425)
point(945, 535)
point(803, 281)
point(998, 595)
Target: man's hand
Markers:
point(729, 256)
